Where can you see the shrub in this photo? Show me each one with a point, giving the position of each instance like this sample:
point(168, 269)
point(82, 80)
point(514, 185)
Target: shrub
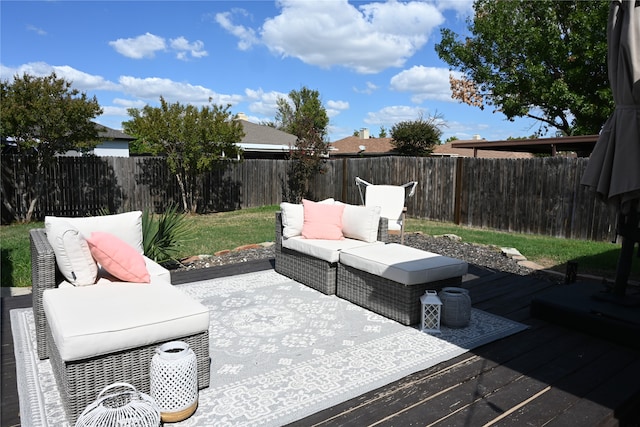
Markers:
point(162, 234)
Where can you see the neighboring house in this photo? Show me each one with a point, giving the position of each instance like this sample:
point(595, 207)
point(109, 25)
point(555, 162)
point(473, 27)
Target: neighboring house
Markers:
point(264, 142)
point(114, 143)
point(579, 145)
point(449, 150)
point(363, 145)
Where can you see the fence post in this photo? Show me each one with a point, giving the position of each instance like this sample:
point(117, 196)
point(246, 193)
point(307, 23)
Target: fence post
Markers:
point(457, 198)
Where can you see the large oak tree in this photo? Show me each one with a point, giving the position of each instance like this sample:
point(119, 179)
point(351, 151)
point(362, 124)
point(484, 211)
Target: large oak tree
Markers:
point(543, 59)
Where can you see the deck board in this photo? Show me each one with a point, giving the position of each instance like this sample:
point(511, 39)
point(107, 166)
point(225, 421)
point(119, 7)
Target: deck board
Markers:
point(545, 375)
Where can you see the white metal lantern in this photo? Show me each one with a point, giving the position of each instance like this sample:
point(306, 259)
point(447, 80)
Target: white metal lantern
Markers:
point(174, 381)
point(430, 313)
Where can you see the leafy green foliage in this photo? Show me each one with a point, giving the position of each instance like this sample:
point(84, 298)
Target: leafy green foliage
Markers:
point(416, 137)
point(193, 140)
point(162, 235)
point(542, 59)
point(304, 116)
point(45, 117)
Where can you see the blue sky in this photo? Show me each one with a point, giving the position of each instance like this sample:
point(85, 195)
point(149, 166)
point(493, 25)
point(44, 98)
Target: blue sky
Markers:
point(373, 63)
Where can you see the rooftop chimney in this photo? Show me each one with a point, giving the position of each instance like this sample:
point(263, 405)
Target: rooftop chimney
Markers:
point(364, 133)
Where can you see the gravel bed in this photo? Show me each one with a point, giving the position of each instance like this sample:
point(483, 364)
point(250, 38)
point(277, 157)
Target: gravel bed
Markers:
point(480, 255)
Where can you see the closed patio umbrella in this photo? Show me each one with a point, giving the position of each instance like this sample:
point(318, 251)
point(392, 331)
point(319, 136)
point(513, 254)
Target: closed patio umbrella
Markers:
point(613, 170)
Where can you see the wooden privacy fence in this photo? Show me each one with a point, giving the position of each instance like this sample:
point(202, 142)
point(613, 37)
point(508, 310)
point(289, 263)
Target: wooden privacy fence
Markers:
point(538, 196)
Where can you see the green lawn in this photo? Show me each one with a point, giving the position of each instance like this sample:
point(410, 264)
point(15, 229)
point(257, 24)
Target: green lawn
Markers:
point(228, 230)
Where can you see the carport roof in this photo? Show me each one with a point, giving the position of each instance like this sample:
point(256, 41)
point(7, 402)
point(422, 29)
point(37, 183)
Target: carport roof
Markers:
point(582, 144)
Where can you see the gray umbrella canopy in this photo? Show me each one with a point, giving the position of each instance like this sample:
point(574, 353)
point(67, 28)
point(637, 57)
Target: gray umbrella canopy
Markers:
point(614, 166)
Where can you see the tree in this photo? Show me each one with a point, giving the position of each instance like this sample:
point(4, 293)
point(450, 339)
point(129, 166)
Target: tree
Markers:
point(383, 132)
point(417, 137)
point(194, 140)
point(544, 59)
point(44, 116)
point(303, 115)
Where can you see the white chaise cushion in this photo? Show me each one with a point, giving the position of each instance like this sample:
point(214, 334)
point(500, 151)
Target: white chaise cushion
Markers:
point(327, 250)
point(361, 222)
point(403, 264)
point(102, 319)
point(126, 226)
point(73, 255)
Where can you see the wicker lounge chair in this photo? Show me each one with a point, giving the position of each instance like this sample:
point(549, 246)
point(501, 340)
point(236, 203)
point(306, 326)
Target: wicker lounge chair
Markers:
point(391, 199)
point(79, 381)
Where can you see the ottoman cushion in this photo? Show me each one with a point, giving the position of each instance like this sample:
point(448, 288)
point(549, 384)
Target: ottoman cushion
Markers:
point(102, 319)
point(403, 264)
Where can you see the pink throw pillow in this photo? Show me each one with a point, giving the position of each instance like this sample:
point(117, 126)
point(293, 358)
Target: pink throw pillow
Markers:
point(322, 221)
point(118, 258)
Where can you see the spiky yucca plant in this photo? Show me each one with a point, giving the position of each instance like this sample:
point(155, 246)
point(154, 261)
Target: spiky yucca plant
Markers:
point(163, 233)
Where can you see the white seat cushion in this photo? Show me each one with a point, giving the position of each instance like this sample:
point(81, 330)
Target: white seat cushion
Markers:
point(159, 275)
point(327, 250)
point(403, 264)
point(102, 319)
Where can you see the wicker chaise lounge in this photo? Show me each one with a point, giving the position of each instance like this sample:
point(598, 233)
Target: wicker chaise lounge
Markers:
point(90, 349)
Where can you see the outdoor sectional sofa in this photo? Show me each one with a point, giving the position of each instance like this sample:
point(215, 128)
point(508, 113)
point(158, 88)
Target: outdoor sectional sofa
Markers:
point(100, 329)
point(314, 262)
point(361, 267)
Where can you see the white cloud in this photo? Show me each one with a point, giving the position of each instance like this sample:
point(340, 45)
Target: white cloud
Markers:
point(366, 39)
point(129, 103)
point(151, 88)
point(80, 80)
point(184, 48)
point(388, 116)
point(37, 30)
point(334, 108)
point(424, 83)
point(247, 36)
point(144, 46)
point(464, 8)
point(370, 88)
point(338, 105)
point(264, 103)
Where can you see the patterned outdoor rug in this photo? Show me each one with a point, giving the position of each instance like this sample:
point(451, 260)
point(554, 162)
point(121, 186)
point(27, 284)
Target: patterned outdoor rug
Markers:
point(280, 351)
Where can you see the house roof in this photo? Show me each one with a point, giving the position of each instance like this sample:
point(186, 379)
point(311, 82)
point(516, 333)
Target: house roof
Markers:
point(105, 132)
point(265, 138)
point(351, 146)
point(581, 144)
point(450, 149)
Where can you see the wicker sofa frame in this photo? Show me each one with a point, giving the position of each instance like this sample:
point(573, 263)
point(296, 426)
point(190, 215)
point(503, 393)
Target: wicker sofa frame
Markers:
point(316, 273)
point(80, 381)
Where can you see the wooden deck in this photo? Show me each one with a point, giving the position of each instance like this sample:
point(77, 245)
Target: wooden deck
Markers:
point(547, 375)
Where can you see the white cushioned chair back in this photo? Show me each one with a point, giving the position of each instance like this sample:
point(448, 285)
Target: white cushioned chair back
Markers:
point(390, 198)
point(126, 226)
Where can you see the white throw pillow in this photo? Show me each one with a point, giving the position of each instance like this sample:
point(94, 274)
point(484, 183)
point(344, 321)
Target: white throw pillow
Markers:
point(73, 255)
point(361, 222)
point(293, 218)
point(126, 226)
